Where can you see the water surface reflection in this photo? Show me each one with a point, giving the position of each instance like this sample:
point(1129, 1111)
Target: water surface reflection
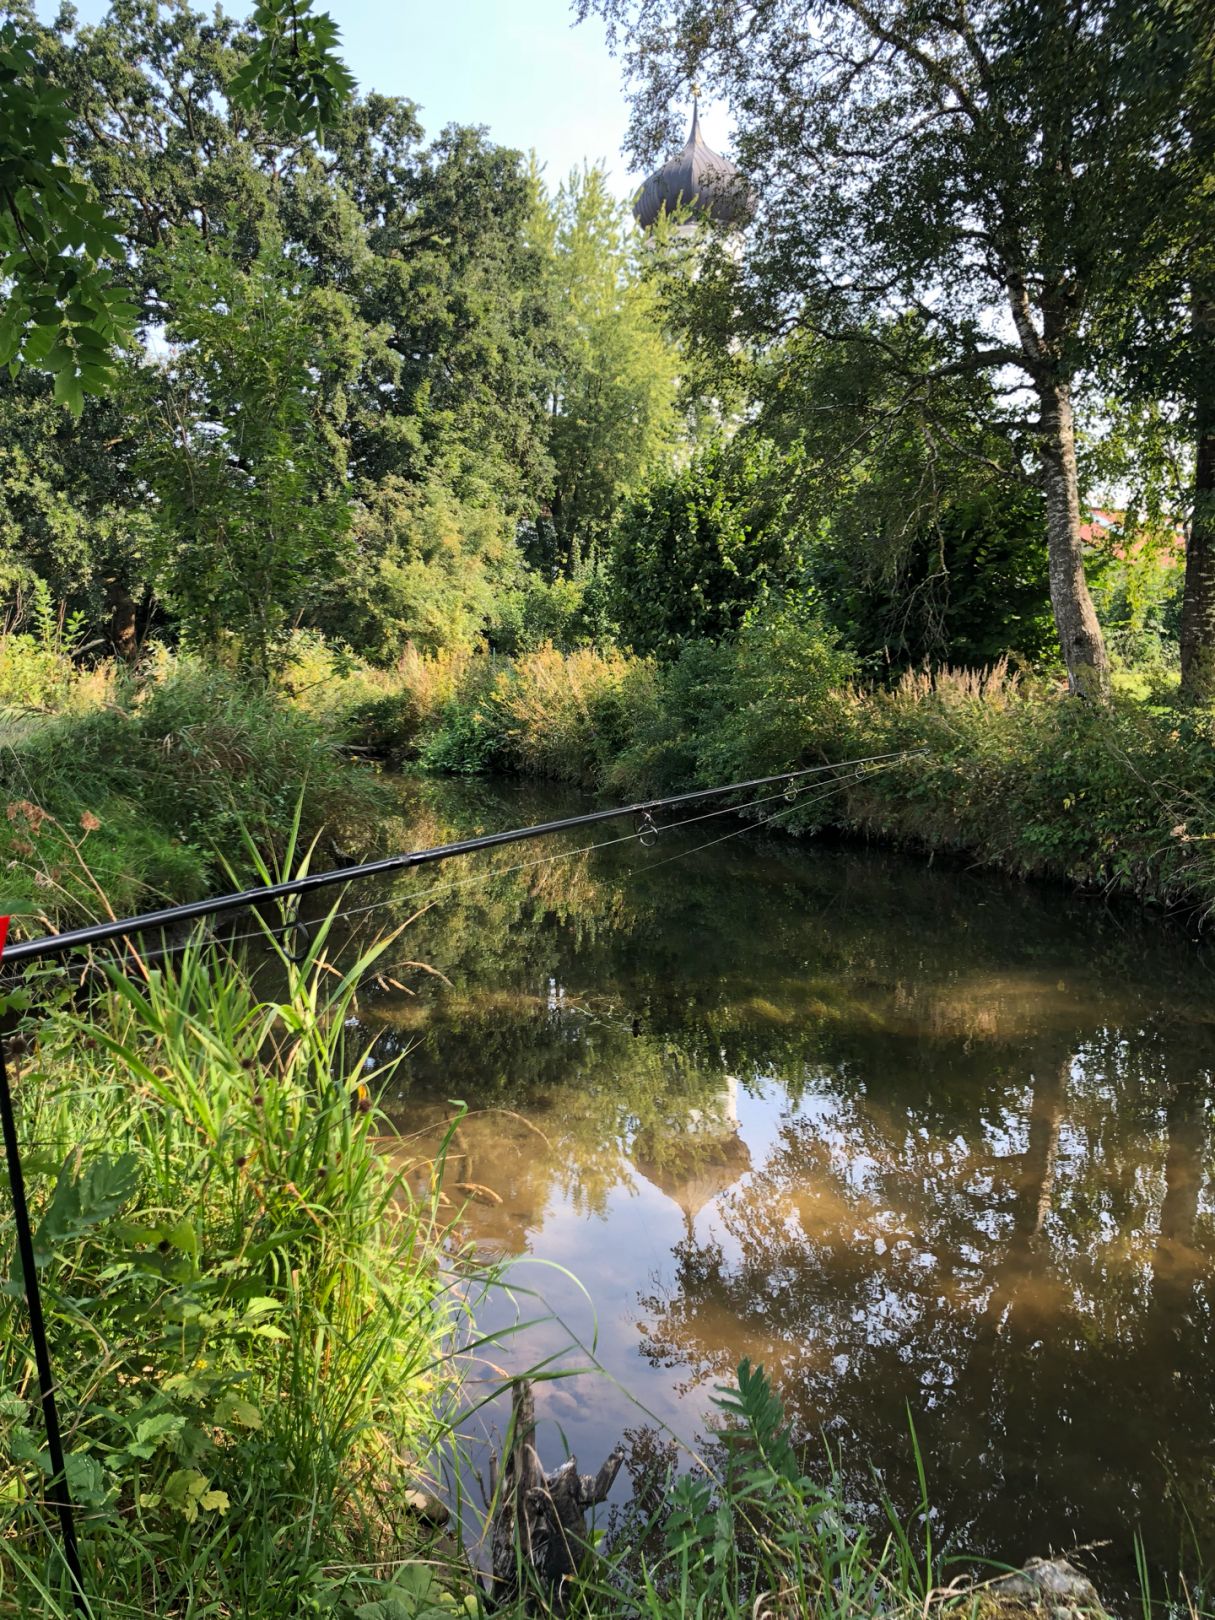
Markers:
point(911, 1138)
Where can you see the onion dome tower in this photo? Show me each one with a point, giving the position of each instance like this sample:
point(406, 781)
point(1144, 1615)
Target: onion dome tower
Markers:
point(698, 179)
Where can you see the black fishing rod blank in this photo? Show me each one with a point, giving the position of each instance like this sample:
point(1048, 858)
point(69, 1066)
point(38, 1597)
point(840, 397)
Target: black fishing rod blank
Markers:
point(50, 945)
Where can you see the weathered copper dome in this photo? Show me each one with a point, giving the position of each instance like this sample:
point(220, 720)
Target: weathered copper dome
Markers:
point(699, 179)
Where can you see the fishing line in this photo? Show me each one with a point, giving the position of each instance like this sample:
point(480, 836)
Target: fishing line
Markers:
point(475, 880)
point(764, 821)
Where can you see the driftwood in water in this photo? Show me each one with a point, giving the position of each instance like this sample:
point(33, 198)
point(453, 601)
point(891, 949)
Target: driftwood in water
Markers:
point(539, 1532)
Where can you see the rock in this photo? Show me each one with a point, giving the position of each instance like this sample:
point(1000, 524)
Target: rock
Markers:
point(1050, 1583)
point(427, 1506)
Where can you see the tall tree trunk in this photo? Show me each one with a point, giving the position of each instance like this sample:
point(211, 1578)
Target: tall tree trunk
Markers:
point(1080, 638)
point(1198, 603)
point(120, 606)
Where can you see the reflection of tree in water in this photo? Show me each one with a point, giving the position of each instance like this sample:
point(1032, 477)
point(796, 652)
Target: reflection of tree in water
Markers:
point(1019, 1272)
point(986, 1192)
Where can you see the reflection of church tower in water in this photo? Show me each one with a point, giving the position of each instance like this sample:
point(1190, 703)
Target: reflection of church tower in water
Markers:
point(698, 180)
point(695, 1159)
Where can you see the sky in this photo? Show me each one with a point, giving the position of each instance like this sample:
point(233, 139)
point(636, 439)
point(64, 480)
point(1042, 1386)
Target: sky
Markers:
point(521, 67)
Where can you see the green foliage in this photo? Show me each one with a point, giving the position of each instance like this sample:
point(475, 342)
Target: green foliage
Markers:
point(244, 460)
point(464, 742)
point(775, 687)
point(243, 1310)
point(967, 587)
point(924, 541)
point(692, 553)
point(567, 613)
point(142, 795)
point(294, 77)
point(63, 309)
point(613, 389)
point(430, 570)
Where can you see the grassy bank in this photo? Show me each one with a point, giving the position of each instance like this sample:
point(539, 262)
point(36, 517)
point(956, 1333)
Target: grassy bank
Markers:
point(246, 1312)
point(122, 791)
point(1014, 775)
point(125, 791)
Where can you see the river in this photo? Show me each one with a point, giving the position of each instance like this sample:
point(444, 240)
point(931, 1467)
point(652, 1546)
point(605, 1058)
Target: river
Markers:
point(930, 1146)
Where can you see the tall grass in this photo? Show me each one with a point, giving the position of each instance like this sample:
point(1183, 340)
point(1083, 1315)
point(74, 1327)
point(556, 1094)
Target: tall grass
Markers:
point(143, 798)
point(246, 1308)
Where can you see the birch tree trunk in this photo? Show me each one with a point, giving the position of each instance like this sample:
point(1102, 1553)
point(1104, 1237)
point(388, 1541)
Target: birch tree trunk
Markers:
point(1080, 637)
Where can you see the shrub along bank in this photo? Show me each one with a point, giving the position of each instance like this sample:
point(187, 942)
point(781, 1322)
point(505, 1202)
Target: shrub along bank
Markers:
point(246, 1314)
point(1013, 774)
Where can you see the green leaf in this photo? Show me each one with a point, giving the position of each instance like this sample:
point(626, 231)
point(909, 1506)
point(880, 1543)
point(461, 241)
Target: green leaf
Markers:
point(83, 1199)
point(233, 1411)
point(85, 1479)
point(154, 1432)
point(69, 391)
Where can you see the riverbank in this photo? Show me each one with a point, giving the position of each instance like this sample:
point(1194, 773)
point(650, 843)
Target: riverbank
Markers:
point(1009, 773)
point(126, 791)
point(123, 792)
point(247, 1319)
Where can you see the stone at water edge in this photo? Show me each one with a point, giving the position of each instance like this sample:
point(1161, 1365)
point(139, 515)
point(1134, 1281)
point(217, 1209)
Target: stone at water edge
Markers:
point(1050, 1583)
point(427, 1507)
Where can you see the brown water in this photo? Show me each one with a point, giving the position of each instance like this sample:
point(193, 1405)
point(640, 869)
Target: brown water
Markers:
point(916, 1140)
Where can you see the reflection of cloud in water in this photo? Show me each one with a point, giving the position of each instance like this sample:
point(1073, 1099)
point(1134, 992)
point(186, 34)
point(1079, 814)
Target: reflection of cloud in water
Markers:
point(899, 1135)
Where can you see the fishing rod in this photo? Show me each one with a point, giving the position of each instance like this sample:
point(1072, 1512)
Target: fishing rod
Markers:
point(58, 1491)
point(48, 945)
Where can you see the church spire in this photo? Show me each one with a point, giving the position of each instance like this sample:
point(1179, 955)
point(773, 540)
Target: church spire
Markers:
point(697, 179)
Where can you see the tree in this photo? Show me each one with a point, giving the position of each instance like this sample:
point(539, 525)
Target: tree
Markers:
point(692, 553)
point(426, 568)
point(69, 512)
point(430, 246)
point(924, 535)
point(245, 463)
point(612, 400)
point(988, 164)
point(64, 310)
point(1160, 339)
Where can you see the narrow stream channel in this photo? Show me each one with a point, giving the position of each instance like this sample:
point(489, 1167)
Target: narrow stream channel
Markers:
point(917, 1140)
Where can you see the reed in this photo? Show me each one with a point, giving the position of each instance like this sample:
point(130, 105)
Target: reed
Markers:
point(250, 1325)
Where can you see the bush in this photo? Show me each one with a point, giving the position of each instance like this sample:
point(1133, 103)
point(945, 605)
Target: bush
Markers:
point(411, 702)
point(1005, 768)
point(569, 715)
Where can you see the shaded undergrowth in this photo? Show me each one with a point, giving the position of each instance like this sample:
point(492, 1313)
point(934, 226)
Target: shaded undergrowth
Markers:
point(120, 792)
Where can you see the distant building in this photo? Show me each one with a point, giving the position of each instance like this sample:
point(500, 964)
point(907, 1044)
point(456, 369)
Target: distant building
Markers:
point(1106, 531)
point(699, 180)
